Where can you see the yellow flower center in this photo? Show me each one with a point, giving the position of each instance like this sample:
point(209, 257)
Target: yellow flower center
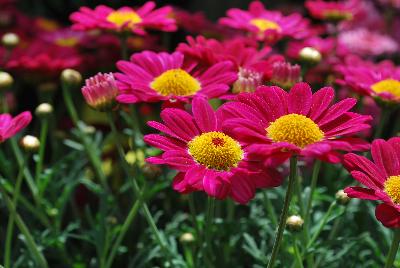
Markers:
point(264, 24)
point(67, 42)
point(120, 18)
point(392, 188)
point(338, 15)
point(296, 129)
point(391, 86)
point(175, 82)
point(216, 150)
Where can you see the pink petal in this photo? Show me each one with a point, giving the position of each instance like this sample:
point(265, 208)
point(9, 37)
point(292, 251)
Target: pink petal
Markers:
point(361, 193)
point(385, 157)
point(321, 101)
point(388, 215)
point(242, 188)
point(215, 186)
point(299, 99)
point(204, 115)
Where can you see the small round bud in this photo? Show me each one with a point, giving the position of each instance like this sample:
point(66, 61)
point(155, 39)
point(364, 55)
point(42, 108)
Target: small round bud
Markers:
point(89, 129)
point(10, 40)
point(294, 223)
point(310, 54)
point(342, 198)
point(186, 238)
point(6, 81)
point(30, 143)
point(44, 110)
point(151, 171)
point(71, 77)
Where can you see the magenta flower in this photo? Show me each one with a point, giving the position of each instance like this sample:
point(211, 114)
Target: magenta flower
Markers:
point(379, 80)
point(277, 124)
point(381, 177)
point(9, 126)
point(324, 46)
point(100, 91)
point(150, 77)
point(124, 19)
point(207, 158)
point(333, 10)
point(265, 24)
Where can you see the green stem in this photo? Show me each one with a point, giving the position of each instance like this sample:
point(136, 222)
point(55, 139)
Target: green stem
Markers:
point(314, 179)
point(30, 242)
point(125, 227)
point(270, 209)
point(322, 225)
point(69, 103)
point(192, 209)
point(207, 229)
point(393, 249)
point(285, 209)
point(385, 113)
point(124, 46)
point(43, 136)
point(11, 219)
point(297, 253)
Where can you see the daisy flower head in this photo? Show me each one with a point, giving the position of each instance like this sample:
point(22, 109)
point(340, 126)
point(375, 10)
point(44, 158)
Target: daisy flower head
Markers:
point(277, 124)
point(333, 10)
point(124, 19)
point(207, 158)
point(10, 126)
point(151, 77)
point(265, 24)
point(381, 177)
point(378, 80)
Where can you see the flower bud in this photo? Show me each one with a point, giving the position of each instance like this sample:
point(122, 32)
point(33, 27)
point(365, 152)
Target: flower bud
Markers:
point(30, 143)
point(44, 110)
point(10, 40)
point(342, 198)
point(285, 75)
point(248, 81)
point(186, 238)
point(151, 171)
point(294, 223)
point(100, 92)
point(6, 81)
point(71, 77)
point(310, 55)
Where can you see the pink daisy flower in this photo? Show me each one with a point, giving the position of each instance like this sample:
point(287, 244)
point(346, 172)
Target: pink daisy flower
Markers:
point(381, 177)
point(333, 10)
point(207, 158)
point(379, 80)
point(10, 126)
point(124, 19)
point(266, 24)
point(324, 46)
point(277, 124)
point(151, 77)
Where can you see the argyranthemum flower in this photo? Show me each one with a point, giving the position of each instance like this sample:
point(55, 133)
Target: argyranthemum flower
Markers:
point(207, 158)
point(333, 10)
point(124, 18)
point(277, 124)
point(379, 80)
point(381, 177)
point(10, 126)
point(266, 24)
point(151, 76)
point(100, 91)
point(323, 45)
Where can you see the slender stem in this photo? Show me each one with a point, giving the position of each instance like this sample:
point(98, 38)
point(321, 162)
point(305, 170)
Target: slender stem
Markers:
point(125, 227)
point(314, 179)
point(43, 136)
point(30, 242)
point(11, 219)
point(297, 253)
point(270, 209)
point(321, 225)
point(124, 46)
point(393, 249)
point(192, 209)
point(208, 227)
point(385, 113)
point(66, 90)
point(285, 209)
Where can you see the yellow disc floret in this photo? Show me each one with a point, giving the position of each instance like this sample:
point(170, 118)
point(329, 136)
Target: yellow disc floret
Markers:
point(392, 188)
point(391, 86)
point(215, 150)
point(175, 82)
point(264, 24)
point(67, 42)
point(296, 129)
point(124, 18)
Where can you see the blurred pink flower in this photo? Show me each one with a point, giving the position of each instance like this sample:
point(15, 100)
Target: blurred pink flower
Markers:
point(10, 126)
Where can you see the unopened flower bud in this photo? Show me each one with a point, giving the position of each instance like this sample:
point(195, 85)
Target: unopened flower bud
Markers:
point(342, 198)
point(248, 81)
point(310, 55)
point(87, 129)
point(44, 110)
point(10, 40)
point(100, 92)
point(285, 75)
point(6, 81)
point(30, 143)
point(294, 223)
point(71, 77)
point(186, 238)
